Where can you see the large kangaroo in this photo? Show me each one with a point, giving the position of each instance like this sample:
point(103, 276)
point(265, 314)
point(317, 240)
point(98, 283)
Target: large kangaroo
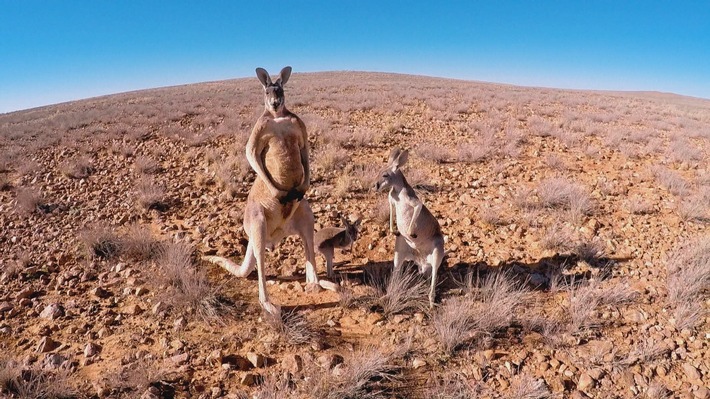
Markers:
point(419, 236)
point(277, 150)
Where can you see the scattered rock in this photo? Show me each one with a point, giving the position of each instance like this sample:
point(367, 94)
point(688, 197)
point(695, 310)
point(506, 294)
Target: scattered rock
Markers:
point(249, 379)
point(691, 372)
point(5, 307)
point(236, 362)
point(292, 363)
point(329, 360)
point(91, 349)
point(256, 359)
point(179, 359)
point(100, 292)
point(585, 382)
point(52, 311)
point(47, 344)
point(132, 310)
point(418, 363)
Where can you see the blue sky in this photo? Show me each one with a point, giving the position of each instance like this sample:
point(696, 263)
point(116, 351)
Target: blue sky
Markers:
point(53, 51)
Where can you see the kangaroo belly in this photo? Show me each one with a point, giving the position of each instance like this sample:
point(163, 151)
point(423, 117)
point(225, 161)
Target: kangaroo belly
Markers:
point(283, 161)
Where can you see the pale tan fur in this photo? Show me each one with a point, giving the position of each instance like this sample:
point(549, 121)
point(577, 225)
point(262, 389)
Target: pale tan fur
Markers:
point(277, 150)
point(419, 238)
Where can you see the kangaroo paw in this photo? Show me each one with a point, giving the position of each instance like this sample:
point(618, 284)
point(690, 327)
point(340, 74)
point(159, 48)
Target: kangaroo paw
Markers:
point(329, 285)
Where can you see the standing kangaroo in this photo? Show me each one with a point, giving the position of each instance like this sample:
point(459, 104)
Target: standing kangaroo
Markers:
point(419, 237)
point(277, 150)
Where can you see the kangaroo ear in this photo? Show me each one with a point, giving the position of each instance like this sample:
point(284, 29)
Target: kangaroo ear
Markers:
point(284, 75)
point(393, 155)
point(401, 159)
point(263, 76)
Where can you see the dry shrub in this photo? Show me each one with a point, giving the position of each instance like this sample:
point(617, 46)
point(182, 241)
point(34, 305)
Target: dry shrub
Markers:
point(584, 300)
point(146, 165)
point(397, 292)
point(688, 271)
point(292, 326)
point(694, 209)
point(101, 241)
point(553, 161)
point(639, 205)
point(362, 137)
point(671, 180)
point(137, 376)
point(21, 382)
point(475, 152)
point(560, 193)
point(590, 251)
point(230, 172)
point(493, 215)
point(331, 158)
point(368, 373)
point(558, 238)
point(5, 182)
point(77, 169)
point(526, 387)
point(657, 390)
point(29, 200)
point(434, 152)
point(150, 195)
point(451, 386)
point(488, 307)
point(138, 243)
point(189, 289)
point(380, 213)
point(683, 151)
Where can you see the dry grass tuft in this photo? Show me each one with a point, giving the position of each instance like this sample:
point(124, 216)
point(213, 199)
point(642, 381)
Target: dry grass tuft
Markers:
point(189, 289)
point(688, 271)
point(671, 180)
point(451, 386)
point(292, 326)
point(21, 382)
point(331, 157)
point(150, 195)
point(77, 169)
point(695, 209)
point(399, 291)
point(368, 373)
point(146, 165)
point(100, 241)
point(489, 306)
point(139, 243)
point(526, 387)
point(434, 152)
point(29, 200)
point(639, 205)
point(561, 193)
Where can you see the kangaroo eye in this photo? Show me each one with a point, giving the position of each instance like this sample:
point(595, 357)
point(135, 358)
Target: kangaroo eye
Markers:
point(384, 175)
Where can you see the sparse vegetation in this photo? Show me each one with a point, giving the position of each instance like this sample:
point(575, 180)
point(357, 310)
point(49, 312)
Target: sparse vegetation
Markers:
point(582, 194)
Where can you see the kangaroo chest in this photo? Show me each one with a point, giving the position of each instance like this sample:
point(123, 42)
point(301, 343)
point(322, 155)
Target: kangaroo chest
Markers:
point(282, 153)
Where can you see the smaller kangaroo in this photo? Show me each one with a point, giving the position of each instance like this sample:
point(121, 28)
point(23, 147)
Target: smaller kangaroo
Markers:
point(419, 237)
point(329, 238)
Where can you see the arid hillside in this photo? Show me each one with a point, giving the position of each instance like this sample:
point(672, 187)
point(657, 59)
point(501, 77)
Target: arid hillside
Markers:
point(576, 226)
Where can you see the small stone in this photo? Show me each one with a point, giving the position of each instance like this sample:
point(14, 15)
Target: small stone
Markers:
point(249, 379)
point(328, 361)
point(91, 349)
point(159, 307)
point(5, 306)
point(52, 311)
point(418, 363)
point(374, 318)
point(132, 310)
point(256, 359)
point(215, 392)
point(100, 292)
point(47, 344)
point(691, 372)
point(292, 363)
point(25, 293)
point(180, 359)
point(151, 393)
point(236, 362)
point(702, 393)
point(585, 382)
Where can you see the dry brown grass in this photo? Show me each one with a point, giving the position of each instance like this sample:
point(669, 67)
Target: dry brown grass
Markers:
point(150, 195)
point(139, 243)
point(398, 291)
point(29, 200)
point(292, 326)
point(189, 290)
point(671, 180)
point(688, 281)
point(79, 168)
point(490, 305)
point(18, 381)
point(146, 165)
point(100, 241)
point(526, 387)
point(331, 157)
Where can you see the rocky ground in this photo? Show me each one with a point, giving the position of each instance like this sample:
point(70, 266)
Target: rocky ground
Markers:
point(576, 224)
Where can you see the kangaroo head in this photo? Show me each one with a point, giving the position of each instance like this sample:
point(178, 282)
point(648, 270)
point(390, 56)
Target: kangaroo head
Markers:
point(391, 175)
point(351, 229)
point(274, 91)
